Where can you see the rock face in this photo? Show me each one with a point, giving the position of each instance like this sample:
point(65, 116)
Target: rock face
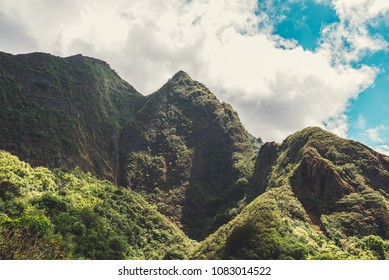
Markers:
point(316, 189)
point(315, 180)
point(334, 179)
point(194, 153)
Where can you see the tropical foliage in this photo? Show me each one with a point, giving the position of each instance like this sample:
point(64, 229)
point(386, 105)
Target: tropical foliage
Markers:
point(107, 173)
point(73, 215)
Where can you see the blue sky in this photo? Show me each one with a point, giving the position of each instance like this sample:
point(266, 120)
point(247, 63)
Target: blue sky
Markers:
point(282, 65)
point(368, 114)
point(302, 21)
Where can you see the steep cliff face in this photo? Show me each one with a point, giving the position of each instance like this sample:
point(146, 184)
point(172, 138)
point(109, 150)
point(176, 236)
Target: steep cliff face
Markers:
point(266, 158)
point(195, 155)
point(315, 180)
point(322, 197)
point(335, 180)
point(64, 112)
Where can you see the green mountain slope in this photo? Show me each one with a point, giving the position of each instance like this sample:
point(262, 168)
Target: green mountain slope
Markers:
point(323, 197)
point(178, 165)
point(189, 154)
point(64, 112)
point(73, 215)
point(341, 183)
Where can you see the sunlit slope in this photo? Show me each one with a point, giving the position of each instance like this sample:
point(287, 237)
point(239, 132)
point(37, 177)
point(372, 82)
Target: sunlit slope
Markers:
point(72, 215)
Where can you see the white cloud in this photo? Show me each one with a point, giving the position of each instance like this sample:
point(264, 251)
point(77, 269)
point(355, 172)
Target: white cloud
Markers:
point(361, 10)
point(337, 125)
point(13, 35)
point(361, 122)
point(323, 2)
point(276, 91)
point(374, 134)
point(349, 39)
point(383, 149)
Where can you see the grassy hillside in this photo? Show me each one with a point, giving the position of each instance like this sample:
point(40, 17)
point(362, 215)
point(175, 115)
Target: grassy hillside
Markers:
point(73, 215)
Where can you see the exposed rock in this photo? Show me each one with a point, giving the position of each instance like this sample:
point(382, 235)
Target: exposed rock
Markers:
point(315, 181)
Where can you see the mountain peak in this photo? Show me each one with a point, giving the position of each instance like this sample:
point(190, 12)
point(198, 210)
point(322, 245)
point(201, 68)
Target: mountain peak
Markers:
point(181, 78)
point(315, 196)
point(313, 130)
point(303, 136)
point(181, 75)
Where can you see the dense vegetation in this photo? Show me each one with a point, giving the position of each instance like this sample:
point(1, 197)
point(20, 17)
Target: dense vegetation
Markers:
point(72, 215)
point(341, 183)
point(106, 173)
point(64, 112)
point(189, 154)
point(276, 226)
point(323, 198)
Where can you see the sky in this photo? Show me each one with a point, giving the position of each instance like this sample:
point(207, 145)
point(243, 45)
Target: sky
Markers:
point(283, 65)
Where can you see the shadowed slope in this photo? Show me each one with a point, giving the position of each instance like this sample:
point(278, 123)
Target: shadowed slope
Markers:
point(64, 112)
point(193, 152)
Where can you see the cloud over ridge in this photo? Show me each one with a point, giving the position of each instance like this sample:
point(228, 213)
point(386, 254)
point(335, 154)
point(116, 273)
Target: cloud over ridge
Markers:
point(276, 86)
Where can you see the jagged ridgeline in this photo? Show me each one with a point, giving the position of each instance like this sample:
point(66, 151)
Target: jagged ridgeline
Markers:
point(185, 151)
point(178, 165)
point(64, 112)
point(188, 154)
point(324, 197)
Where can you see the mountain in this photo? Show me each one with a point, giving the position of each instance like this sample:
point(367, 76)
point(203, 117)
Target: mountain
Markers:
point(189, 154)
point(322, 197)
point(107, 173)
point(64, 112)
point(184, 150)
point(341, 183)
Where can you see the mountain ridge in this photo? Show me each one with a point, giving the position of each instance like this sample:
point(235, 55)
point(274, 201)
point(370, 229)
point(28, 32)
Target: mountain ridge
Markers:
point(309, 207)
point(189, 137)
point(61, 110)
point(177, 155)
